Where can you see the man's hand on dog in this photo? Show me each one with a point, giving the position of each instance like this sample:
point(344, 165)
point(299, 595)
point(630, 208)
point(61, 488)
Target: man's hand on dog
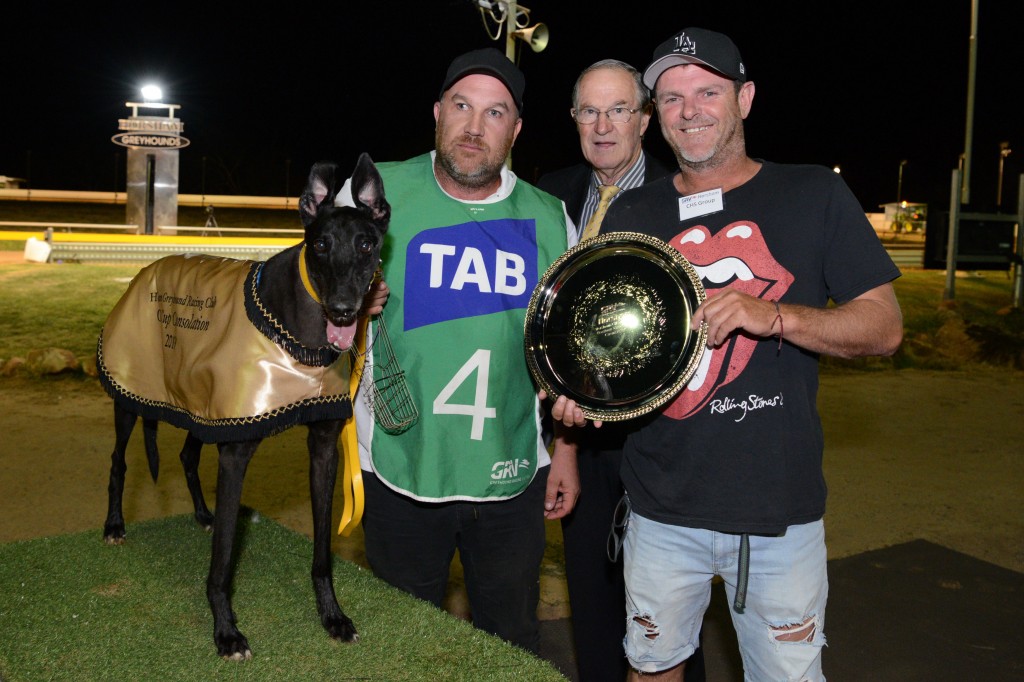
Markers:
point(567, 411)
point(376, 297)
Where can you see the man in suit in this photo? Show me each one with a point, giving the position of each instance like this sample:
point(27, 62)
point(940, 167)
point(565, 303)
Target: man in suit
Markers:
point(612, 109)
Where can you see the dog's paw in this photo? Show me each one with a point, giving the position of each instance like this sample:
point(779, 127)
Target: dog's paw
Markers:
point(113, 532)
point(205, 520)
point(239, 656)
point(342, 629)
point(233, 647)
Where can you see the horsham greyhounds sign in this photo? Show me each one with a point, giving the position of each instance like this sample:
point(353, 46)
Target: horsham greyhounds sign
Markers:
point(151, 131)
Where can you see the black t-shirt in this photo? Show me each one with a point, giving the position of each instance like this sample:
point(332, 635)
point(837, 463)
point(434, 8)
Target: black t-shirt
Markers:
point(740, 449)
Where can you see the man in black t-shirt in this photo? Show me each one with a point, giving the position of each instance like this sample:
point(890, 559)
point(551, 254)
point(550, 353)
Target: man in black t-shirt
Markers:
point(726, 479)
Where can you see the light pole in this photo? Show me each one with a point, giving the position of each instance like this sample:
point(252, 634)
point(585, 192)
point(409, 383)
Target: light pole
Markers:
point(965, 181)
point(899, 183)
point(899, 198)
point(1004, 151)
point(515, 18)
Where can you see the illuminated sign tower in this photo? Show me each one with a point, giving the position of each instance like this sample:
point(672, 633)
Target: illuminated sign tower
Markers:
point(152, 176)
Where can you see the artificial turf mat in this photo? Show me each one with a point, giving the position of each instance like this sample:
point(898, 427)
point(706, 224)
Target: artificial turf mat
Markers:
point(73, 608)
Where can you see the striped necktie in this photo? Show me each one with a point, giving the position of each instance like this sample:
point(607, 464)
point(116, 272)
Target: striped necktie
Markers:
point(594, 224)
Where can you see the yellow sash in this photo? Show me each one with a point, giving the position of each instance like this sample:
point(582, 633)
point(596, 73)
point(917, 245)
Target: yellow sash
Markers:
point(352, 483)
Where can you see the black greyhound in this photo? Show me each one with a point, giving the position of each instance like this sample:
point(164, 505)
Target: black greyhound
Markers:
point(300, 306)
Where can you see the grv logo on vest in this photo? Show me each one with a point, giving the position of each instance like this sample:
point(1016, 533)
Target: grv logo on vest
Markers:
point(509, 469)
point(468, 270)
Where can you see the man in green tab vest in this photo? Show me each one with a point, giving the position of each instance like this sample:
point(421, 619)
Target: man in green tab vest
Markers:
point(467, 244)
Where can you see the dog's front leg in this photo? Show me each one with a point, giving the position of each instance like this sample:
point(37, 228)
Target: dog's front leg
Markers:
point(233, 461)
point(323, 471)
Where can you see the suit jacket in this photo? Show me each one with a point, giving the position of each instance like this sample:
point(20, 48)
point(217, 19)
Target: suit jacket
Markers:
point(571, 184)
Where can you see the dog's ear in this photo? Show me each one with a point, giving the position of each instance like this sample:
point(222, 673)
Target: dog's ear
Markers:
point(368, 190)
point(321, 188)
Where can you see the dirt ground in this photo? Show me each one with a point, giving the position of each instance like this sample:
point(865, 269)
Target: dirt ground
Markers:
point(911, 454)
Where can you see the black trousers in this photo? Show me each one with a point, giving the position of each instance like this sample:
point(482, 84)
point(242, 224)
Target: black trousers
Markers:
point(596, 585)
point(411, 544)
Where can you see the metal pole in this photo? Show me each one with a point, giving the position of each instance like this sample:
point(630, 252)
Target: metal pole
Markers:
point(510, 49)
point(899, 197)
point(510, 28)
point(1004, 151)
point(150, 191)
point(951, 242)
point(965, 188)
point(1018, 280)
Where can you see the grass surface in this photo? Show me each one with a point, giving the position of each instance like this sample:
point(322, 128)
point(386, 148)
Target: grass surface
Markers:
point(61, 306)
point(979, 325)
point(64, 306)
point(73, 608)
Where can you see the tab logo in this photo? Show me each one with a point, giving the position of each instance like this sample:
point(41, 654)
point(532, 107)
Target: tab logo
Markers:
point(469, 270)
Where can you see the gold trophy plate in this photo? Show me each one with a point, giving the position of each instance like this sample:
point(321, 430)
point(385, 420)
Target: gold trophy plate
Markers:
point(608, 325)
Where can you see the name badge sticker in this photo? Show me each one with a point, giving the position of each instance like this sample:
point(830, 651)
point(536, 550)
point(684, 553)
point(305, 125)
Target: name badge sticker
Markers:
point(701, 203)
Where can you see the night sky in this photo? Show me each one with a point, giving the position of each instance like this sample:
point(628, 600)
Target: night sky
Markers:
point(265, 94)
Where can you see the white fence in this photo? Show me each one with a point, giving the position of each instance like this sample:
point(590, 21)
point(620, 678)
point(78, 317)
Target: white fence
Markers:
point(218, 200)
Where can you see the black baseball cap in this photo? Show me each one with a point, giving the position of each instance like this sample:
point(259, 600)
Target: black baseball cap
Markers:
point(491, 62)
point(697, 46)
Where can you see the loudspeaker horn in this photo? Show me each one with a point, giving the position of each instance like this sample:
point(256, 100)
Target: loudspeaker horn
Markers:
point(536, 36)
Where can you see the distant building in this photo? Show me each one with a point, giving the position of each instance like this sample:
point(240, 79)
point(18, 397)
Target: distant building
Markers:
point(906, 217)
point(11, 183)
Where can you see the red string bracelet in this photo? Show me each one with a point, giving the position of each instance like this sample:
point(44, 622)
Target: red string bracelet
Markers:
point(778, 318)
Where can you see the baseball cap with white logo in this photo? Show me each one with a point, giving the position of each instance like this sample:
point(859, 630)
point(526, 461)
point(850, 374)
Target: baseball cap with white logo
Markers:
point(714, 50)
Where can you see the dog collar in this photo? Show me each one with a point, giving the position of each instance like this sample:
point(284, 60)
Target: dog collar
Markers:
point(304, 275)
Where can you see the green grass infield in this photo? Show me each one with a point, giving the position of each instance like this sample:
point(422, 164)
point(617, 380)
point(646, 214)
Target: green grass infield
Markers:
point(73, 608)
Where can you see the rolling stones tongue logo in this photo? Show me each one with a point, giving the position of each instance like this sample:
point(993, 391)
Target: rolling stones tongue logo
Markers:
point(734, 257)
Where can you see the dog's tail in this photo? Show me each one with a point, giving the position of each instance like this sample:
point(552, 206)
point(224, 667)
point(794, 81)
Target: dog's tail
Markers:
point(152, 454)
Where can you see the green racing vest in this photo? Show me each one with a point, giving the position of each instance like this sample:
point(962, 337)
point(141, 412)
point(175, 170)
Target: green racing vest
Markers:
point(461, 276)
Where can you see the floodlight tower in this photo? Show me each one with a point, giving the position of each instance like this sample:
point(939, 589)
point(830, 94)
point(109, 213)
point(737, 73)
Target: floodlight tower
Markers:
point(152, 175)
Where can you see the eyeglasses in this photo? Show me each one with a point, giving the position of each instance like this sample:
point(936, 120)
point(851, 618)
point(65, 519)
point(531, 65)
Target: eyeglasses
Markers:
point(588, 115)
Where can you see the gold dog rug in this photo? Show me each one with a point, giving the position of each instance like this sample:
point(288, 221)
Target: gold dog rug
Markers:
point(191, 343)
